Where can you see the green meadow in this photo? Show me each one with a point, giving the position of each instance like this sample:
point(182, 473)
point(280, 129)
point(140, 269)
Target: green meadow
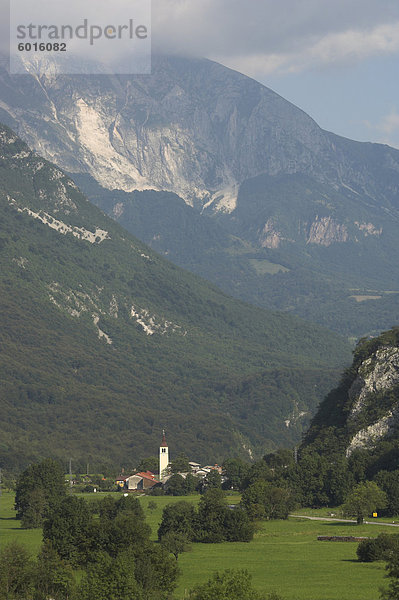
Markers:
point(10, 528)
point(284, 556)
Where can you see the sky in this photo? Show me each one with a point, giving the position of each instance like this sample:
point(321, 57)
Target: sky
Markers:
point(338, 60)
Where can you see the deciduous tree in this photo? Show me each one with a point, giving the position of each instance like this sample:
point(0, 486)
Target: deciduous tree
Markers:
point(178, 518)
point(155, 571)
point(180, 464)
point(229, 585)
point(235, 471)
point(211, 514)
point(237, 526)
point(365, 498)
point(175, 543)
point(111, 579)
point(68, 527)
point(262, 500)
point(149, 464)
point(53, 577)
point(259, 470)
point(388, 481)
point(38, 488)
point(16, 573)
point(392, 592)
point(175, 486)
point(213, 480)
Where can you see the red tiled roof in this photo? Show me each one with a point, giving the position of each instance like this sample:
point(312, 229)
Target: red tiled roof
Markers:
point(149, 473)
point(146, 474)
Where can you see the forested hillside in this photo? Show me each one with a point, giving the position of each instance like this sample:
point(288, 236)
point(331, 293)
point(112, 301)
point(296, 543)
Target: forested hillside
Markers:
point(103, 342)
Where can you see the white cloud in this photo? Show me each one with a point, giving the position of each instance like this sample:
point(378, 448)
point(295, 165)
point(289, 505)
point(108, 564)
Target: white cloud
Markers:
point(332, 49)
point(261, 37)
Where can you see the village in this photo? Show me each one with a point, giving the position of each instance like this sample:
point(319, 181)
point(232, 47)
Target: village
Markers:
point(147, 480)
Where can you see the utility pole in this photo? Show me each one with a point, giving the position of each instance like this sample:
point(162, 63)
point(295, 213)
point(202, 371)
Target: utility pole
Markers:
point(70, 474)
point(296, 455)
point(0, 482)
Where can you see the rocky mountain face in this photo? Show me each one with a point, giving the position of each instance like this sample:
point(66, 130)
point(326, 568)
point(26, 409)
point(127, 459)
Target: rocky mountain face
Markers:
point(194, 128)
point(104, 342)
point(301, 219)
point(376, 376)
point(362, 414)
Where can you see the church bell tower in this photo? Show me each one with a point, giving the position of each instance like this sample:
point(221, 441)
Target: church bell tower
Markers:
point(163, 457)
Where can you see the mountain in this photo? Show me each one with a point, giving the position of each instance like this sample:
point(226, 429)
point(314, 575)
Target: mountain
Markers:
point(104, 342)
point(360, 418)
point(329, 286)
point(280, 212)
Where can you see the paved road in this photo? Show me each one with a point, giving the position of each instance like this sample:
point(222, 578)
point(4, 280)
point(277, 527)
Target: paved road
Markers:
point(343, 520)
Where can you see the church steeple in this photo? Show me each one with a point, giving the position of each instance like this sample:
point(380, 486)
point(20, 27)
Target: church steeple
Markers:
point(163, 457)
point(163, 443)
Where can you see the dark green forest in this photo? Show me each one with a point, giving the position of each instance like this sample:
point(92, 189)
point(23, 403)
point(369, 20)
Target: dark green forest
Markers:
point(219, 374)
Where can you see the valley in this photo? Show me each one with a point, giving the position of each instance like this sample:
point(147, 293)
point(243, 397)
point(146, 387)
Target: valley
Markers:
point(184, 250)
point(285, 556)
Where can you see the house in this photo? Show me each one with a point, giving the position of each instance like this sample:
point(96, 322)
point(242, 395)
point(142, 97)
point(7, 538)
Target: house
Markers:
point(201, 473)
point(149, 474)
point(140, 481)
point(195, 467)
point(209, 468)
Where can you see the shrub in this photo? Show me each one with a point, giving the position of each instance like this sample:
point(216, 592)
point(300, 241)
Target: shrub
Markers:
point(381, 548)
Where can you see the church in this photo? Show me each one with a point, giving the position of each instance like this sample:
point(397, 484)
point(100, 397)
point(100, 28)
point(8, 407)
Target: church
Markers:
point(146, 480)
point(143, 481)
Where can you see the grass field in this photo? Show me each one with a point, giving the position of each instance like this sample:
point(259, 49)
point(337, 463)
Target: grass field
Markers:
point(284, 556)
point(10, 528)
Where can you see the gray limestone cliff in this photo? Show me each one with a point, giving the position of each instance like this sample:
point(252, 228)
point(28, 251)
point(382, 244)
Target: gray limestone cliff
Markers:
point(377, 377)
point(362, 413)
point(193, 127)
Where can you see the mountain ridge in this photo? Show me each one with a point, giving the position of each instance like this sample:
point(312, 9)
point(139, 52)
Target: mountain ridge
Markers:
point(294, 218)
point(234, 127)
